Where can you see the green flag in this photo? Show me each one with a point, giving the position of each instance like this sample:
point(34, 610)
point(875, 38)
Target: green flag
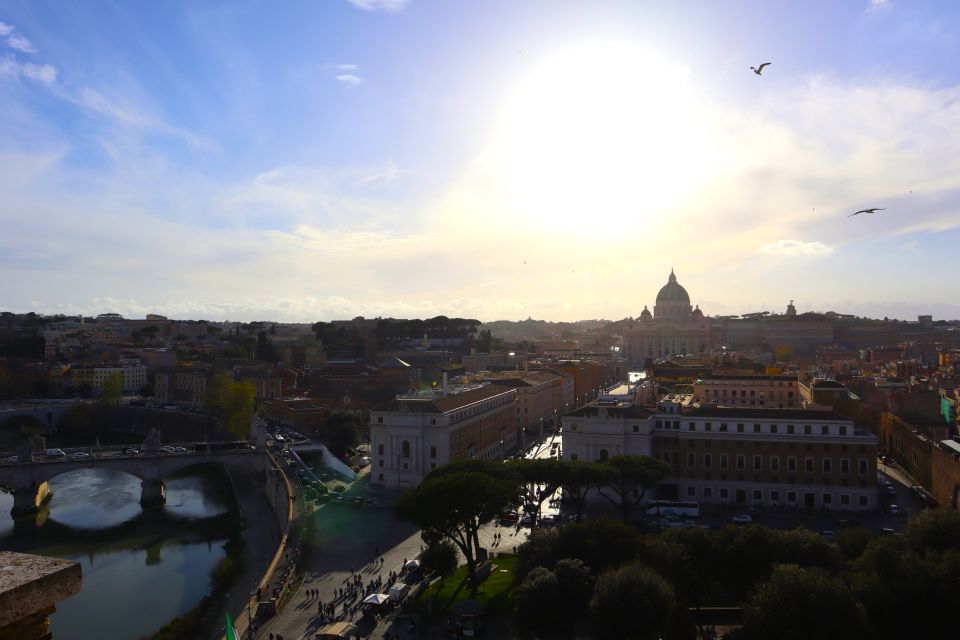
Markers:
point(231, 632)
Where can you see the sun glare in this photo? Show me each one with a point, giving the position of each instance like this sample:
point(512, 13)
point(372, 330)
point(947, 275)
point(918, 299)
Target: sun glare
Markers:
point(600, 130)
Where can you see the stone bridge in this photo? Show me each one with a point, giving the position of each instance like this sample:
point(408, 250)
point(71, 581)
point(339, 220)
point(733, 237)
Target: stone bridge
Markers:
point(27, 479)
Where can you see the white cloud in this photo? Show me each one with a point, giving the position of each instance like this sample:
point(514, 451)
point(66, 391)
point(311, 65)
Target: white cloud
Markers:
point(21, 44)
point(350, 79)
point(389, 6)
point(43, 73)
point(796, 248)
point(5, 29)
point(878, 4)
point(345, 67)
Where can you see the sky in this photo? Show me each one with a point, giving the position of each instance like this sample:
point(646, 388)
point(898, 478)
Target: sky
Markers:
point(322, 159)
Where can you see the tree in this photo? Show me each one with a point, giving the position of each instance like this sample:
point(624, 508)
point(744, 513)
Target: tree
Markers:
point(232, 402)
point(575, 581)
point(452, 504)
point(797, 604)
point(439, 557)
point(541, 478)
point(935, 529)
point(264, 349)
point(629, 477)
point(537, 601)
point(576, 481)
point(112, 390)
point(631, 603)
point(341, 432)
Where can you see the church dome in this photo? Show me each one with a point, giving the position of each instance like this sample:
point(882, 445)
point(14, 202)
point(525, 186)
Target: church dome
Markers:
point(673, 292)
point(645, 314)
point(697, 313)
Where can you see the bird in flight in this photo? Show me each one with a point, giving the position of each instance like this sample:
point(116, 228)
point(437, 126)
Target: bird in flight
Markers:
point(759, 70)
point(873, 210)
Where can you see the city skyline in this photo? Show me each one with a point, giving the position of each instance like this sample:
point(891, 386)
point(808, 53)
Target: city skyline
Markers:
point(416, 158)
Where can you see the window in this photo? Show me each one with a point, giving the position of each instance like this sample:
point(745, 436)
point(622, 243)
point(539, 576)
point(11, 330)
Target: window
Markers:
point(863, 466)
point(381, 463)
point(790, 429)
point(774, 496)
point(636, 428)
point(723, 461)
point(433, 421)
point(807, 429)
point(676, 424)
point(828, 465)
point(723, 492)
point(773, 428)
point(380, 477)
point(604, 455)
point(707, 461)
point(692, 426)
point(708, 426)
point(379, 419)
point(405, 449)
point(433, 452)
point(740, 427)
point(824, 430)
point(791, 496)
point(380, 449)
point(691, 460)
point(775, 463)
point(707, 492)
point(756, 428)
point(573, 456)
point(723, 426)
point(757, 495)
point(741, 461)
point(659, 424)
point(757, 463)
point(845, 499)
point(863, 501)
point(844, 465)
point(691, 492)
point(827, 498)
point(808, 465)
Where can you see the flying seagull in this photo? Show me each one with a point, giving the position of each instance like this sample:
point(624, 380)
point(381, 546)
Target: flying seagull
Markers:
point(759, 70)
point(873, 210)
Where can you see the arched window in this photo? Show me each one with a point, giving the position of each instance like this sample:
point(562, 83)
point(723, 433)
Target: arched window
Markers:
point(405, 449)
point(603, 455)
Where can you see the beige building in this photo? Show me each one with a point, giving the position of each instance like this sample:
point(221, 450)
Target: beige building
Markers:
point(770, 392)
point(673, 328)
point(134, 376)
point(540, 397)
point(183, 386)
point(742, 456)
point(417, 432)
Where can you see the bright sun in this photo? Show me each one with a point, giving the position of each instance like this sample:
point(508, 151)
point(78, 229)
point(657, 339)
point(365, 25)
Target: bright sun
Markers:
point(600, 130)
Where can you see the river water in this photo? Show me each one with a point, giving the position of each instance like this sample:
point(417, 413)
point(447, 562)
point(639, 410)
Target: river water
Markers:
point(140, 568)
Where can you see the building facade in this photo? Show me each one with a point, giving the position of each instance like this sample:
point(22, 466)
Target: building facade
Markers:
point(673, 328)
point(420, 431)
point(771, 392)
point(742, 456)
point(184, 386)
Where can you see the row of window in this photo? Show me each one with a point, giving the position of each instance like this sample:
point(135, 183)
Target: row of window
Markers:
point(773, 463)
point(753, 394)
point(775, 496)
point(723, 427)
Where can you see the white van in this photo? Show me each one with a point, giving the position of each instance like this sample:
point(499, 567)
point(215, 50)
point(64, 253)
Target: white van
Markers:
point(55, 453)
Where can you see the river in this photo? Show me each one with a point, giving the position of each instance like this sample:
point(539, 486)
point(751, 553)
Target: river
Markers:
point(140, 568)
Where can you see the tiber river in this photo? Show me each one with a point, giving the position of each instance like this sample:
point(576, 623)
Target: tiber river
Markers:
point(140, 569)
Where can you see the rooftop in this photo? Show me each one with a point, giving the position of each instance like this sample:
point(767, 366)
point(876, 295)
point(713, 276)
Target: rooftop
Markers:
point(764, 414)
point(434, 400)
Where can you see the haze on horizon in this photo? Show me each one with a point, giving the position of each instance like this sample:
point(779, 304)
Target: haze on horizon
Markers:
point(496, 160)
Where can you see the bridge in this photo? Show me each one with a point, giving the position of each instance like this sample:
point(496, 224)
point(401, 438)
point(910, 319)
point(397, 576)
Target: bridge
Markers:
point(27, 475)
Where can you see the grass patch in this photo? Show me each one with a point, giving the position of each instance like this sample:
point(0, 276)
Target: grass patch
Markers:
point(496, 591)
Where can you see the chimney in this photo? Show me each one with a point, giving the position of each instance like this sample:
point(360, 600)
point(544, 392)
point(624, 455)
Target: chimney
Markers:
point(444, 384)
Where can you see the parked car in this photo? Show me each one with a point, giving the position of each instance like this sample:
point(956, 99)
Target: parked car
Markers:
point(11, 459)
point(131, 451)
point(509, 516)
point(166, 449)
point(894, 510)
point(180, 449)
point(55, 453)
point(80, 454)
point(745, 518)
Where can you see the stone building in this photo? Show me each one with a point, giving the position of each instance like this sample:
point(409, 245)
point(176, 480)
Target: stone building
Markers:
point(673, 328)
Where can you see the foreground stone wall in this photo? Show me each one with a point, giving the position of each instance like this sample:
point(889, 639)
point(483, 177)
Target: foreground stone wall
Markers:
point(30, 587)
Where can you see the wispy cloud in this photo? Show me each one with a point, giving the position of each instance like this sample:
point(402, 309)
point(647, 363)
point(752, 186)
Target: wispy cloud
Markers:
point(796, 248)
point(344, 67)
point(350, 79)
point(43, 73)
point(389, 6)
point(879, 4)
point(21, 44)
point(5, 29)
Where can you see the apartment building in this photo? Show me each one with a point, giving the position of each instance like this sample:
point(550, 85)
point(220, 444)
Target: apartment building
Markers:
point(762, 391)
point(540, 397)
point(184, 385)
point(134, 375)
point(417, 432)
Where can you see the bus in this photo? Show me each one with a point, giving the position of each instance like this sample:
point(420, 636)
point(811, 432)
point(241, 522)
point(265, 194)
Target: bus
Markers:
point(673, 507)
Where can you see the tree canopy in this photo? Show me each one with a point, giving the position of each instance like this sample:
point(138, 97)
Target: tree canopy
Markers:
point(629, 478)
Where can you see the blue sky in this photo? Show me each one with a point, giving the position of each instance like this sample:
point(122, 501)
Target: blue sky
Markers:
point(330, 158)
